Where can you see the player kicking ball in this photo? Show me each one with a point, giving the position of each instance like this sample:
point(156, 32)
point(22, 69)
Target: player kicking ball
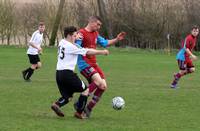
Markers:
point(33, 52)
point(88, 65)
point(185, 56)
point(67, 81)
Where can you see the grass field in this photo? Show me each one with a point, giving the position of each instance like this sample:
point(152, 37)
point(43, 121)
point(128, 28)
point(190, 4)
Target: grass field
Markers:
point(141, 77)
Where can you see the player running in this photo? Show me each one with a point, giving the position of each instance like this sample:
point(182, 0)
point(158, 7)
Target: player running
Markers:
point(185, 56)
point(33, 52)
point(67, 81)
point(88, 65)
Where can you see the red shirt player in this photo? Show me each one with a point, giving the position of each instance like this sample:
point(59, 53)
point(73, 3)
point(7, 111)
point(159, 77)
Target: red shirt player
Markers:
point(185, 56)
point(88, 65)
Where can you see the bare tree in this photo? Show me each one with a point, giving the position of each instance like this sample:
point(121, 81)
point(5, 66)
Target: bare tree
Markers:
point(104, 15)
point(57, 22)
point(147, 22)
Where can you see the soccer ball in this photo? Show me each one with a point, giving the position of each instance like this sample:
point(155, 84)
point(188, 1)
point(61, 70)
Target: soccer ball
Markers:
point(118, 103)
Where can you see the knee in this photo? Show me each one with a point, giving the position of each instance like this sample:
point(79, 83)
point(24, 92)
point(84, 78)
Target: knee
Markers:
point(101, 84)
point(98, 83)
point(34, 66)
point(39, 65)
point(191, 70)
point(104, 86)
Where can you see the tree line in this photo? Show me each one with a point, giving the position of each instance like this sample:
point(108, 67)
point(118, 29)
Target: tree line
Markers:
point(153, 24)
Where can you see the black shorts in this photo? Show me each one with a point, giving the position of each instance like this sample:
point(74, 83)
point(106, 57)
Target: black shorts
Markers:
point(34, 59)
point(69, 83)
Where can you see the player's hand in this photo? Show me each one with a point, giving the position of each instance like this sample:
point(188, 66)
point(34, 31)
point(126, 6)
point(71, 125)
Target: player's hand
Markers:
point(106, 52)
point(121, 36)
point(40, 50)
point(194, 58)
point(79, 36)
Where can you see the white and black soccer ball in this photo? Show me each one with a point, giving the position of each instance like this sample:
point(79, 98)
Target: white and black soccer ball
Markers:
point(118, 103)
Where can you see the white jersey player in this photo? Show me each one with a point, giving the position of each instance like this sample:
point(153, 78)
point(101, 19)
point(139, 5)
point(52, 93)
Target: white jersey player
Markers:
point(33, 52)
point(67, 81)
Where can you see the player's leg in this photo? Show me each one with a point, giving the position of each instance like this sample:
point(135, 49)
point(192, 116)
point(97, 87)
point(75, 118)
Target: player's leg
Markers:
point(66, 96)
point(98, 81)
point(80, 104)
point(98, 78)
point(97, 96)
point(26, 71)
point(39, 65)
point(77, 85)
point(90, 89)
point(34, 66)
point(93, 86)
point(82, 100)
point(99, 92)
point(185, 68)
point(31, 71)
point(34, 60)
point(190, 67)
point(88, 73)
point(58, 104)
point(182, 72)
point(190, 70)
point(66, 93)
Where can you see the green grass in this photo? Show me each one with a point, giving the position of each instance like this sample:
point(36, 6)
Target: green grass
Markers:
point(141, 77)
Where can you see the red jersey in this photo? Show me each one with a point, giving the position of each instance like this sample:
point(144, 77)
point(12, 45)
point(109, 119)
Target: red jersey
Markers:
point(89, 41)
point(190, 43)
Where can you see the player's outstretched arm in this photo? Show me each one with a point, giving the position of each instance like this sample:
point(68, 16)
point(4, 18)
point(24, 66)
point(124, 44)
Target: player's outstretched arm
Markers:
point(119, 37)
point(97, 52)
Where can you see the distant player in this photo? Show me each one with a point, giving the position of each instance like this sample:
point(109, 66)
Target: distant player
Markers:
point(185, 56)
point(68, 82)
point(33, 52)
point(88, 65)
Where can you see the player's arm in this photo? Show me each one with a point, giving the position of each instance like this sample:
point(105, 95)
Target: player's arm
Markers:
point(119, 37)
point(83, 51)
point(187, 50)
point(193, 57)
point(97, 52)
point(105, 43)
point(32, 43)
point(79, 39)
point(34, 46)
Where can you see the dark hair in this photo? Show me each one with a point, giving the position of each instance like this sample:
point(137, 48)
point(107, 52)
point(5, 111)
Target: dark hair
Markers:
point(195, 27)
point(69, 30)
point(41, 24)
point(94, 18)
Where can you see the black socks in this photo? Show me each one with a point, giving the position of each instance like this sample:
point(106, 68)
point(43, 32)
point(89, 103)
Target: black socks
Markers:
point(82, 101)
point(62, 101)
point(28, 73)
